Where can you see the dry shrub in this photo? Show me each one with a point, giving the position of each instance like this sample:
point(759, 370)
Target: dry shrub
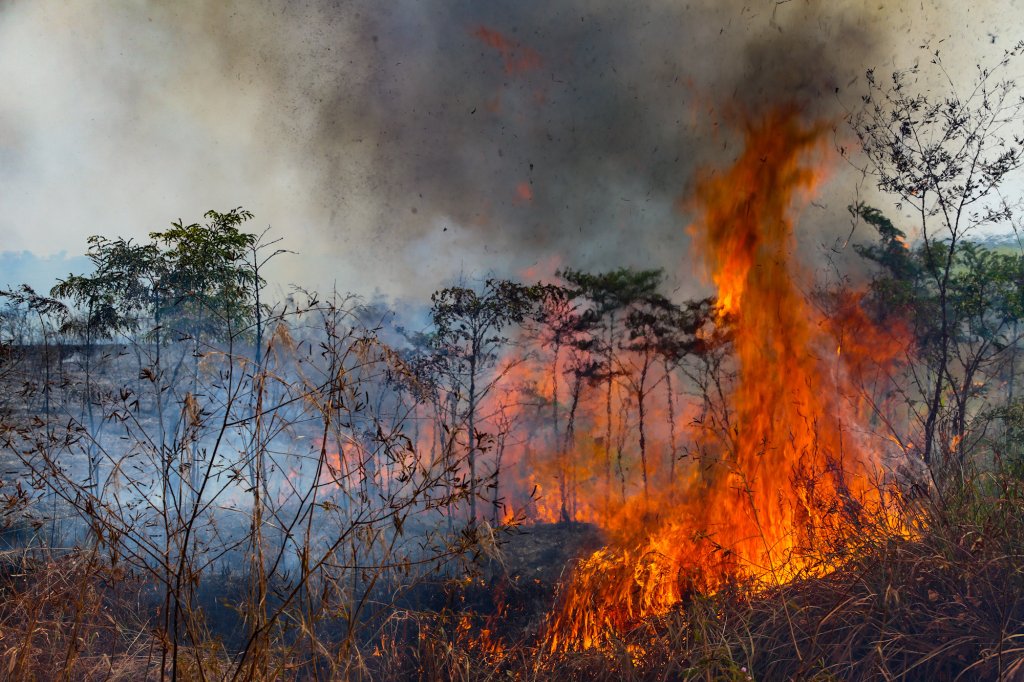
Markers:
point(67, 617)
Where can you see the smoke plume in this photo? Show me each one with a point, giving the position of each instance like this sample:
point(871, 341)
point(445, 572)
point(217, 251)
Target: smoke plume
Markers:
point(397, 145)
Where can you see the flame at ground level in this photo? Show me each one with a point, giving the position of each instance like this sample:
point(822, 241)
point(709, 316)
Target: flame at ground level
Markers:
point(786, 477)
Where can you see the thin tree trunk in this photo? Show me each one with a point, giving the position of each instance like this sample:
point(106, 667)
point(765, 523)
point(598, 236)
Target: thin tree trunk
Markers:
point(641, 414)
point(570, 433)
point(471, 424)
point(258, 579)
point(1013, 365)
point(497, 478)
point(560, 453)
point(673, 454)
point(608, 421)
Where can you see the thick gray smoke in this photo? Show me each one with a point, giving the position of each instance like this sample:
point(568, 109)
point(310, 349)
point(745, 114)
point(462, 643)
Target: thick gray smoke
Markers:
point(565, 133)
point(398, 144)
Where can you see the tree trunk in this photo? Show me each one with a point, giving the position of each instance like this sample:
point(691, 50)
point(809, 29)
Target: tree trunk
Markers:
point(560, 453)
point(570, 433)
point(608, 424)
point(641, 393)
point(673, 454)
point(497, 479)
point(471, 425)
point(1013, 365)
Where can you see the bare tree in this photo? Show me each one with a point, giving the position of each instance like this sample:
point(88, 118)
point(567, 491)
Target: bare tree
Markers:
point(945, 158)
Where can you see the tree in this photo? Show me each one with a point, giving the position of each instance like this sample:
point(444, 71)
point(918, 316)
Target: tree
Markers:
point(964, 327)
point(468, 332)
point(610, 295)
point(208, 288)
point(559, 325)
point(51, 315)
point(118, 291)
point(203, 279)
point(110, 299)
point(945, 158)
point(658, 329)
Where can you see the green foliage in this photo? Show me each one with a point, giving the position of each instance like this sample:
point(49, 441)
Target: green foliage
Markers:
point(983, 294)
point(462, 315)
point(891, 253)
point(986, 293)
point(118, 292)
point(656, 324)
point(964, 317)
point(609, 298)
point(614, 290)
point(207, 282)
point(191, 276)
point(1006, 440)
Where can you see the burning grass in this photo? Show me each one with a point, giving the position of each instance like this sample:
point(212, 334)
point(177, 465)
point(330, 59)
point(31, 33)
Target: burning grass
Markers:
point(782, 552)
point(946, 604)
point(785, 477)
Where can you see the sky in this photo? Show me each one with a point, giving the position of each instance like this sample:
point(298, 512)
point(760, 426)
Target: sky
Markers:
point(397, 146)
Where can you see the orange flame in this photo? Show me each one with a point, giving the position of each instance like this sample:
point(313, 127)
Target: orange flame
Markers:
point(516, 57)
point(790, 470)
point(524, 193)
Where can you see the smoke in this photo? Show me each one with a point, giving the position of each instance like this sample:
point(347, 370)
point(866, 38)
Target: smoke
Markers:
point(504, 133)
point(395, 145)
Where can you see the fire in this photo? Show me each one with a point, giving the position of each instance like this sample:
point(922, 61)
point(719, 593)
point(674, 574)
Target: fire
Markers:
point(516, 57)
point(524, 193)
point(789, 472)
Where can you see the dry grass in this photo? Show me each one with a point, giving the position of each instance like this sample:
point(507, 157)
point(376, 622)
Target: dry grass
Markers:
point(946, 604)
point(61, 619)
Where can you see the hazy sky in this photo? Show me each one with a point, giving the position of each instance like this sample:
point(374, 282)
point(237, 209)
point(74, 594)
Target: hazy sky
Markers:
point(397, 144)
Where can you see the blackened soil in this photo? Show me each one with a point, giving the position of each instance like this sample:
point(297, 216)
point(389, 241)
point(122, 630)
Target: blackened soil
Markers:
point(514, 595)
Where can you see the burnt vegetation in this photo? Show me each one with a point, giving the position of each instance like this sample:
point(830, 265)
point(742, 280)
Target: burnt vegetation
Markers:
point(201, 481)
